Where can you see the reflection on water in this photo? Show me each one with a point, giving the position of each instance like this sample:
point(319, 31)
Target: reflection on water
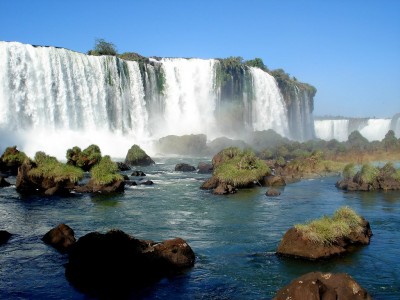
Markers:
point(234, 237)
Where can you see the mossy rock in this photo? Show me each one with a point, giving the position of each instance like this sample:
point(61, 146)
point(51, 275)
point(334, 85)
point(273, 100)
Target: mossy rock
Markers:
point(11, 160)
point(136, 156)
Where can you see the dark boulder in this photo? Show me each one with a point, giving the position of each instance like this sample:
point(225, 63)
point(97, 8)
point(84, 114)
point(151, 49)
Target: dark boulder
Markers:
point(4, 236)
point(60, 237)
point(204, 168)
point(3, 182)
point(183, 167)
point(123, 166)
point(138, 173)
point(146, 182)
point(323, 286)
point(111, 265)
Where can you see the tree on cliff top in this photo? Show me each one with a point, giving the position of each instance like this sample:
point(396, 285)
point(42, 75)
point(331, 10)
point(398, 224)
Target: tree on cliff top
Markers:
point(102, 47)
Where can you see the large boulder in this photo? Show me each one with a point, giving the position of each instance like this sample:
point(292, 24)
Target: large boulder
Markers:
point(298, 243)
point(323, 286)
point(60, 237)
point(113, 264)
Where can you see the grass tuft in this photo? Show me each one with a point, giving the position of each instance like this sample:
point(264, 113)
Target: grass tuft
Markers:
point(49, 167)
point(327, 231)
point(240, 168)
point(105, 172)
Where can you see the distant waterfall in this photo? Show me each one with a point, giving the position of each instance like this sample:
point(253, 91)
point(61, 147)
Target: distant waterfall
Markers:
point(332, 129)
point(52, 99)
point(371, 129)
point(269, 110)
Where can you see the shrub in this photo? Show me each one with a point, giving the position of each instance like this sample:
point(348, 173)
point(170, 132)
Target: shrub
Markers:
point(105, 172)
point(369, 173)
point(49, 167)
point(12, 156)
point(239, 168)
point(328, 231)
point(349, 171)
point(102, 47)
point(84, 159)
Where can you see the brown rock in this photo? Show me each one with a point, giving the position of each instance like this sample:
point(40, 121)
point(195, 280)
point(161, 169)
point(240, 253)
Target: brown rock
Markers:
point(295, 244)
point(210, 184)
point(323, 286)
point(60, 237)
point(273, 180)
point(272, 192)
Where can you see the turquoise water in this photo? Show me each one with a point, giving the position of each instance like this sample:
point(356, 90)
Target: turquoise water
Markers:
point(234, 237)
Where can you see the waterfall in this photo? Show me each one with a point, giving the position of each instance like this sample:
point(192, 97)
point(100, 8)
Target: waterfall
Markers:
point(57, 98)
point(52, 99)
point(376, 129)
point(268, 108)
point(332, 129)
point(189, 98)
point(371, 129)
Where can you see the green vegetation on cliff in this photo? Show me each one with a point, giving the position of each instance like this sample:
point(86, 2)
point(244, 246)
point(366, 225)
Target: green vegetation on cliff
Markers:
point(105, 172)
point(289, 86)
point(328, 230)
point(49, 167)
point(102, 47)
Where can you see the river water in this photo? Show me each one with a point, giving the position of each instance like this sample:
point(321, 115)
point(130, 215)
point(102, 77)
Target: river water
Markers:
point(234, 237)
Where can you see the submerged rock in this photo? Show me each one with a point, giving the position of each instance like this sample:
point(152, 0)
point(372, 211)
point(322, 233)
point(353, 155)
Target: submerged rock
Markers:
point(320, 286)
point(138, 173)
point(272, 192)
point(60, 237)
point(113, 264)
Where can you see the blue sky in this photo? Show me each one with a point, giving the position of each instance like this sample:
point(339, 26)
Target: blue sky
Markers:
point(348, 49)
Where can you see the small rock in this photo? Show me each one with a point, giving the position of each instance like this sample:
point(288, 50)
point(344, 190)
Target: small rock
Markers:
point(60, 237)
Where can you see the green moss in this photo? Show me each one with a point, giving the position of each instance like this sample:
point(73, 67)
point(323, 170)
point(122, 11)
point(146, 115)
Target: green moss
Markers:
point(239, 168)
point(136, 153)
point(328, 230)
point(105, 172)
point(49, 167)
